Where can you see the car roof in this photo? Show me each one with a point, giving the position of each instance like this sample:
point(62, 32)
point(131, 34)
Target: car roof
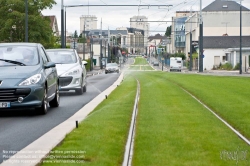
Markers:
point(61, 49)
point(19, 44)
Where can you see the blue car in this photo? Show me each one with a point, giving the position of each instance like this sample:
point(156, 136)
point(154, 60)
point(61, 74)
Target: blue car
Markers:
point(28, 78)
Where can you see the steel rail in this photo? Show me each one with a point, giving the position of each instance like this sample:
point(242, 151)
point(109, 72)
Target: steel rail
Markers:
point(128, 155)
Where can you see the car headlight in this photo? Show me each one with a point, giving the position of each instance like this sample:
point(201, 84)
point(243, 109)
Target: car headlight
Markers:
point(31, 80)
point(72, 72)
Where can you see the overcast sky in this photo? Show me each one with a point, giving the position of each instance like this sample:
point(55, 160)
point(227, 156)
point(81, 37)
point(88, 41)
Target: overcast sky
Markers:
point(113, 17)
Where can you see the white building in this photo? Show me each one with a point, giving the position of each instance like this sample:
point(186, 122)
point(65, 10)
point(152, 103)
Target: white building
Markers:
point(89, 21)
point(220, 18)
point(140, 22)
point(222, 49)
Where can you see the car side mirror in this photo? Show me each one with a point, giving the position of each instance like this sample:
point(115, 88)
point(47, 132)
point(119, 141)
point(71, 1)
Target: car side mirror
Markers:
point(49, 65)
point(84, 63)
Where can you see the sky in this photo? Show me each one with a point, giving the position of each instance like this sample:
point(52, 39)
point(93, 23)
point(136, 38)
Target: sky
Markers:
point(113, 17)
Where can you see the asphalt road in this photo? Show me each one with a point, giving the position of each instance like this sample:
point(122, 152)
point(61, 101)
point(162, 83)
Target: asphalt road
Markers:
point(19, 129)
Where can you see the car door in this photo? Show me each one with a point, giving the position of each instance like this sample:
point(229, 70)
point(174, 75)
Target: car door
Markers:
point(51, 75)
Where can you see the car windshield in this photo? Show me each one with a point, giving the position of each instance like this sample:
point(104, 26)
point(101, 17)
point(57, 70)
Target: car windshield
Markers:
point(18, 55)
point(62, 57)
point(111, 64)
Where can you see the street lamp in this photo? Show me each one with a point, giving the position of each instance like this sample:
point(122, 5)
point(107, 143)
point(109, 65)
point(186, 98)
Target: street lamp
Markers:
point(26, 20)
point(62, 25)
point(201, 41)
point(162, 59)
point(240, 38)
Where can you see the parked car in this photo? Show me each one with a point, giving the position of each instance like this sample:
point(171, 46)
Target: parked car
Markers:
point(28, 78)
point(155, 63)
point(72, 73)
point(112, 68)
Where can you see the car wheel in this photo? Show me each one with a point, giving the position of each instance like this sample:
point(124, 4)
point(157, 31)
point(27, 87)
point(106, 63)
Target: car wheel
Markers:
point(44, 107)
point(85, 88)
point(55, 102)
point(80, 91)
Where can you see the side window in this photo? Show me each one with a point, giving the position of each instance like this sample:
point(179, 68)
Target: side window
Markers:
point(44, 56)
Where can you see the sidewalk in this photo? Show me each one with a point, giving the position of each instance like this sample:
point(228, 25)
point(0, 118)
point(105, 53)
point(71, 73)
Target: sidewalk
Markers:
point(96, 70)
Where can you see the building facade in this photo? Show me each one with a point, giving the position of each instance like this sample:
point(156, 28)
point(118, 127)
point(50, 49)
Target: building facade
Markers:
point(89, 22)
point(141, 22)
point(220, 18)
point(178, 32)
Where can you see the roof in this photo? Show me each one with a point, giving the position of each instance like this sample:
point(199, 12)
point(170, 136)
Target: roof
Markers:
point(225, 41)
point(53, 22)
point(52, 19)
point(19, 44)
point(133, 30)
point(157, 36)
point(222, 5)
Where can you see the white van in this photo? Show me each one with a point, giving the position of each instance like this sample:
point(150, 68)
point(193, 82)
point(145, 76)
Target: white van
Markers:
point(176, 64)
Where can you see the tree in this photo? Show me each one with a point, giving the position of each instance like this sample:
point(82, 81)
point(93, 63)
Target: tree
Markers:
point(168, 31)
point(75, 34)
point(82, 38)
point(12, 21)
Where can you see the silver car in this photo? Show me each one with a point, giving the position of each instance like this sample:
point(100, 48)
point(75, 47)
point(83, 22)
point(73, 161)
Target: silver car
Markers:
point(112, 68)
point(72, 73)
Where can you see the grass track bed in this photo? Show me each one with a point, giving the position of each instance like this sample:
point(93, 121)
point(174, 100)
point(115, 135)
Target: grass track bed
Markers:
point(174, 129)
point(227, 96)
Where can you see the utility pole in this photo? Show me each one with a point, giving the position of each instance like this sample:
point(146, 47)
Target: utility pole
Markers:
point(83, 42)
point(191, 52)
point(91, 54)
point(191, 44)
point(201, 40)
point(240, 38)
point(162, 59)
point(65, 33)
point(62, 25)
point(108, 45)
point(26, 21)
point(100, 37)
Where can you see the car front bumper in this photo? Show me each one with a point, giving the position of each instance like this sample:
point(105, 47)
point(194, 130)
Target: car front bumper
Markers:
point(111, 70)
point(70, 83)
point(21, 97)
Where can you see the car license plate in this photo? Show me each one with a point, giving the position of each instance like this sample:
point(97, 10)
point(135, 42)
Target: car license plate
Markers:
point(4, 104)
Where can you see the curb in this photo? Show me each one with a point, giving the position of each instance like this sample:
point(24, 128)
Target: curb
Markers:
point(43, 145)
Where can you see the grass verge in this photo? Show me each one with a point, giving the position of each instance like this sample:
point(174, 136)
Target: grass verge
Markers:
point(140, 61)
point(102, 136)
